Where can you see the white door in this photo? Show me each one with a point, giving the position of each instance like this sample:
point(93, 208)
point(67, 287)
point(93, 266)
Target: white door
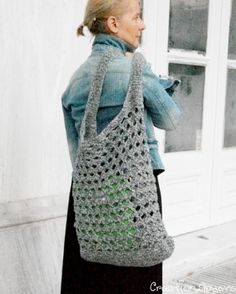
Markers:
point(188, 39)
point(224, 169)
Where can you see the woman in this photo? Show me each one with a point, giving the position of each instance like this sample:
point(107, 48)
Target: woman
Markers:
point(114, 23)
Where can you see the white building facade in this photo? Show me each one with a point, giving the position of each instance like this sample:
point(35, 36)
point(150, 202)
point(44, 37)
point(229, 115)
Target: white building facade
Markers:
point(192, 40)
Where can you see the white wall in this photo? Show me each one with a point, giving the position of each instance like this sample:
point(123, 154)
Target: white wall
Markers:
point(39, 51)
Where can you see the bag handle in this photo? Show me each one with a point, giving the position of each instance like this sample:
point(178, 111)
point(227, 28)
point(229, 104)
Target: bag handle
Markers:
point(89, 124)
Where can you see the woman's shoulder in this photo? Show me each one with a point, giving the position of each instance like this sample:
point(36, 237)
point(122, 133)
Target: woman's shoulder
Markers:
point(118, 64)
point(117, 73)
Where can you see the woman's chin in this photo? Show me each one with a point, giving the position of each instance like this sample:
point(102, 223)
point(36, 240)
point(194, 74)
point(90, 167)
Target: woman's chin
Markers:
point(135, 44)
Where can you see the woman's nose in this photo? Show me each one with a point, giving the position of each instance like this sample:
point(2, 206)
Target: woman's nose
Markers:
point(142, 27)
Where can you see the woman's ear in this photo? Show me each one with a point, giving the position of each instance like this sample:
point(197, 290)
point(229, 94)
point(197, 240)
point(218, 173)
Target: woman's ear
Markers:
point(113, 24)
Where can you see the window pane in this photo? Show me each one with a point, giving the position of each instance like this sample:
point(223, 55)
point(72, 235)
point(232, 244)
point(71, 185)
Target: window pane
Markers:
point(188, 24)
point(230, 110)
point(232, 33)
point(187, 136)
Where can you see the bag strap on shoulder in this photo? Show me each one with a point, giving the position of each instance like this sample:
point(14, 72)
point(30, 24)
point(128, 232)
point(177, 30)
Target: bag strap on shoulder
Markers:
point(89, 125)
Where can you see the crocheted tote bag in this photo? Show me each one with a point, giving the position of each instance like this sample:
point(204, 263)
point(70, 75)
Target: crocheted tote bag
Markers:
point(117, 216)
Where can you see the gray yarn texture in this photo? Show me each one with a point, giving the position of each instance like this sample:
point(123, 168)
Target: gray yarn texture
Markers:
point(117, 215)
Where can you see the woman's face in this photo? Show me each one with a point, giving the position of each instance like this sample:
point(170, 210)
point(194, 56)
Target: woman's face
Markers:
point(130, 24)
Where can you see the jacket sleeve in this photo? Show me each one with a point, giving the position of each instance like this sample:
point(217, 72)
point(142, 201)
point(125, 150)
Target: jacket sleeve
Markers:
point(158, 98)
point(71, 132)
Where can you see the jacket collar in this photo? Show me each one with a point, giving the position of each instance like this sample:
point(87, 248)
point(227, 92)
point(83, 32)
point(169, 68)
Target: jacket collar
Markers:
point(110, 40)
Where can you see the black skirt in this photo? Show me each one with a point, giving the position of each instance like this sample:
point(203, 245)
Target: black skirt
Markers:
point(83, 277)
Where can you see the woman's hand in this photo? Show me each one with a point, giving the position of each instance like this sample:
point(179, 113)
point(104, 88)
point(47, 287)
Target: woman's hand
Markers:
point(129, 54)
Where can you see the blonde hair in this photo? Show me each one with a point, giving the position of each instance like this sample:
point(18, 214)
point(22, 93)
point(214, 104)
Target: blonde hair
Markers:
point(96, 14)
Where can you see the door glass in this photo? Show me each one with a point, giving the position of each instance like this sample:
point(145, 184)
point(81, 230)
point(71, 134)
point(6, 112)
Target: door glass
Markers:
point(230, 110)
point(232, 33)
point(187, 135)
point(188, 24)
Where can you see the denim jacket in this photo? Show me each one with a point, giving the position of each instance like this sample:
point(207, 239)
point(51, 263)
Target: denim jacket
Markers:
point(160, 109)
